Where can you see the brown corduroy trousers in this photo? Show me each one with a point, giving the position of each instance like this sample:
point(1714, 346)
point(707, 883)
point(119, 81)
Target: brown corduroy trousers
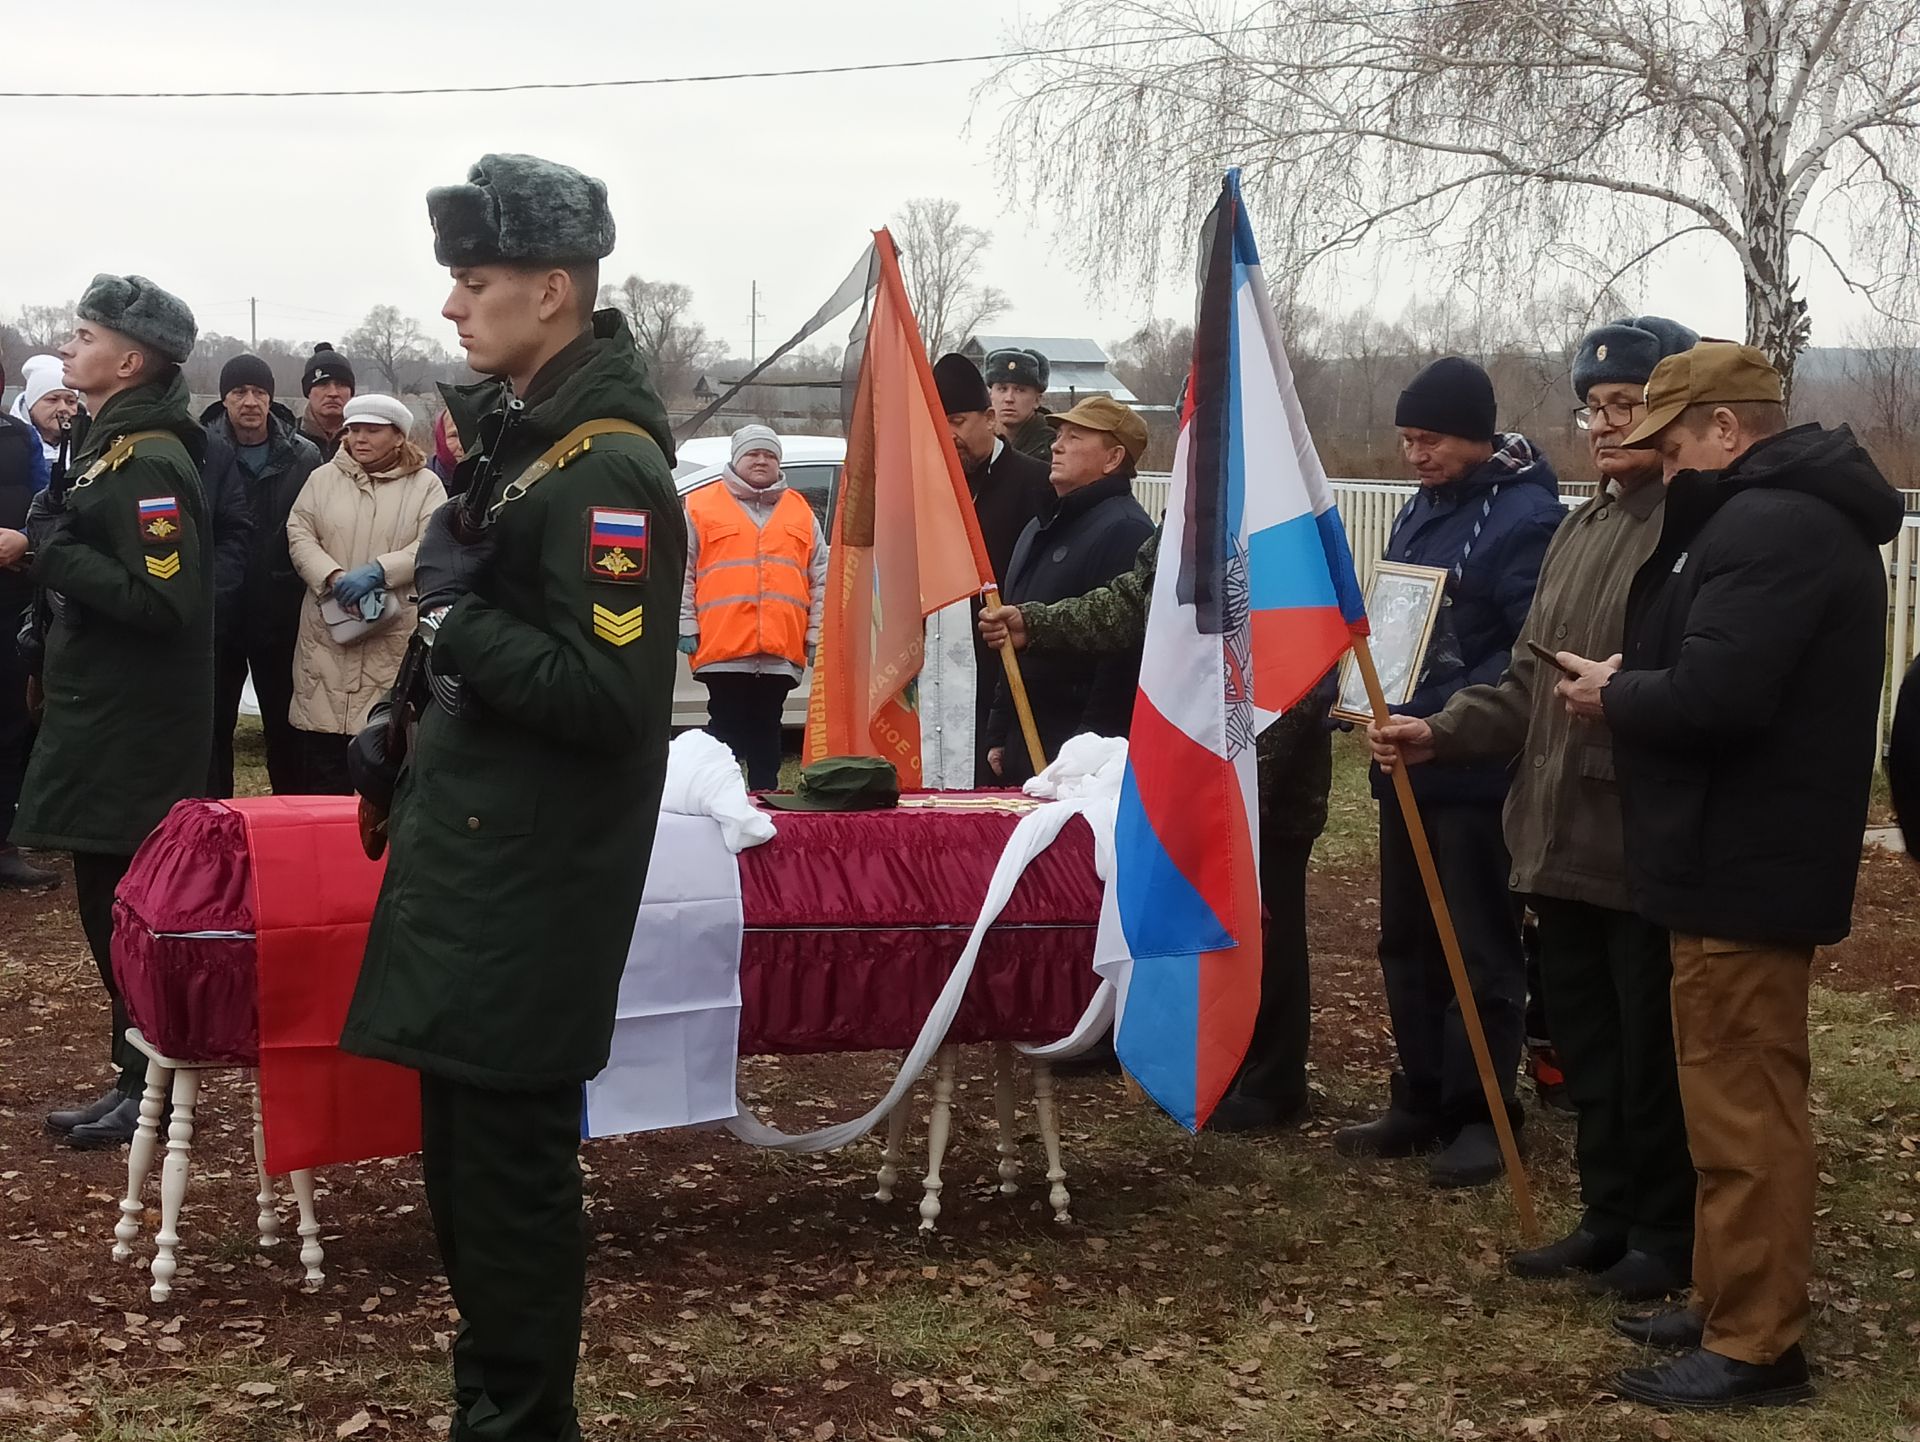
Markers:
point(1740, 1037)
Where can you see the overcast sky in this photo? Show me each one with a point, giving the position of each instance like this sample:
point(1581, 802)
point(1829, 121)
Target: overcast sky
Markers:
point(316, 205)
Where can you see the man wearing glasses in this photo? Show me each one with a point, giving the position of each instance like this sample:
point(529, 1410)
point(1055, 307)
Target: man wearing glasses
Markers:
point(1605, 970)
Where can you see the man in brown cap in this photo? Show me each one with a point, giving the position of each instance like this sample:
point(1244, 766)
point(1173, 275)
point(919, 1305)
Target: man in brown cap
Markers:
point(1742, 710)
point(1088, 536)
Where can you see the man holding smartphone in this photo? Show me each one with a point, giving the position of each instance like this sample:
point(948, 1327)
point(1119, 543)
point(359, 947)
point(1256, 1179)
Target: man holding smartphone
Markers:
point(1605, 970)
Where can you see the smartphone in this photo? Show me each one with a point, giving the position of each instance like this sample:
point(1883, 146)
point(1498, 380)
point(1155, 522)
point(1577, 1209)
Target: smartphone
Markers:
point(1549, 657)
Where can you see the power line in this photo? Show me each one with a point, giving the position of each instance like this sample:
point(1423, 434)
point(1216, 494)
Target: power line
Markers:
point(869, 67)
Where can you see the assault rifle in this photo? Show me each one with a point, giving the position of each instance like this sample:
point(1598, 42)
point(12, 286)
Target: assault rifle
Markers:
point(472, 514)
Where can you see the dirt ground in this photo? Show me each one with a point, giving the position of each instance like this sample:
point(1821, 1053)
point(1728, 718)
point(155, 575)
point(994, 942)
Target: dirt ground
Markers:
point(1207, 1287)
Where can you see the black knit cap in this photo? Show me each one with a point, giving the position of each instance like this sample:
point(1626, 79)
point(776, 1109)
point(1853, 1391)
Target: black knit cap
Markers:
point(961, 387)
point(326, 363)
point(1453, 396)
point(245, 370)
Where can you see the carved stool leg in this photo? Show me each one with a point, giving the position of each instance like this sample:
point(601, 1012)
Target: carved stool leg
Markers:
point(173, 1180)
point(896, 1139)
point(1003, 1102)
point(312, 1254)
point(939, 1123)
point(146, 1139)
point(269, 1220)
point(1049, 1120)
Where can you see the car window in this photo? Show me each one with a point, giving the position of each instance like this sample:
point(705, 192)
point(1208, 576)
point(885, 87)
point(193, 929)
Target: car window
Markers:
point(818, 484)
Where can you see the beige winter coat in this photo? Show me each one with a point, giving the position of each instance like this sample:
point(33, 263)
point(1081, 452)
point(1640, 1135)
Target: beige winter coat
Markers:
point(344, 518)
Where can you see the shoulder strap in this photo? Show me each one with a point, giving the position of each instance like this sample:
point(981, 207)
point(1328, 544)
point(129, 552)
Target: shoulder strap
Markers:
point(569, 448)
point(118, 454)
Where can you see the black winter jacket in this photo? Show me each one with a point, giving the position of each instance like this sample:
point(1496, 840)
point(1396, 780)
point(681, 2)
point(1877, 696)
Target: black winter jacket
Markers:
point(1743, 715)
point(1903, 759)
point(19, 449)
point(1087, 538)
point(257, 593)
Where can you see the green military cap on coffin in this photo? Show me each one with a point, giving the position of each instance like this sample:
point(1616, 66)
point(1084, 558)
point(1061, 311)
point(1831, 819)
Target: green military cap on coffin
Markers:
point(520, 208)
point(141, 311)
point(841, 783)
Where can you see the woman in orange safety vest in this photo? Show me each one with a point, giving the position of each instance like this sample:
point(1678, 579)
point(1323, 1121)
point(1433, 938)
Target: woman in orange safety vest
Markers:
point(750, 608)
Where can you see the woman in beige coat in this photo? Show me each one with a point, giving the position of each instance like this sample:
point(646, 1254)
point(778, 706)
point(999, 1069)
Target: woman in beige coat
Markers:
point(352, 534)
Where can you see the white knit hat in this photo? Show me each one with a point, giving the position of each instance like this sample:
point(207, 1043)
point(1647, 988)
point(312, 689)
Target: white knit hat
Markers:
point(40, 377)
point(755, 438)
point(374, 409)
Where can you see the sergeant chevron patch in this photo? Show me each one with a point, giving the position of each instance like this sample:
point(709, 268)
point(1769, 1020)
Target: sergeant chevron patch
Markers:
point(164, 567)
point(617, 628)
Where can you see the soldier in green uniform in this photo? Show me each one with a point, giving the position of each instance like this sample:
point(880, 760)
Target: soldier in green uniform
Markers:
point(128, 670)
point(522, 823)
point(1295, 762)
point(1017, 379)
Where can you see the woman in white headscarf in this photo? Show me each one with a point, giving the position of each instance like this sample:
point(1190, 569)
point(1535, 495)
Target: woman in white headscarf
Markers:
point(352, 534)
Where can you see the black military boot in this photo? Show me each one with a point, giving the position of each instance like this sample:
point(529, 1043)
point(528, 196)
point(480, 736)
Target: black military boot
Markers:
point(1704, 1381)
point(1578, 1251)
point(18, 874)
point(115, 1129)
point(1404, 1131)
point(63, 1122)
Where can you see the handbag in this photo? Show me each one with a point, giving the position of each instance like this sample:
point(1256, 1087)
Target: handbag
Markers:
point(348, 628)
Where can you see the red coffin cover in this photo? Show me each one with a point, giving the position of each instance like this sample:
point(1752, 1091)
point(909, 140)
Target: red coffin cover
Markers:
point(193, 997)
point(855, 919)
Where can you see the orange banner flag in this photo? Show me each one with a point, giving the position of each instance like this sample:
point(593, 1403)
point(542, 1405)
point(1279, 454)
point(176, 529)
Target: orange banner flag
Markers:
point(905, 542)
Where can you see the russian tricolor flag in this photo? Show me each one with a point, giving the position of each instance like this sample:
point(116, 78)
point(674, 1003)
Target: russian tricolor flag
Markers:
point(619, 528)
point(1254, 599)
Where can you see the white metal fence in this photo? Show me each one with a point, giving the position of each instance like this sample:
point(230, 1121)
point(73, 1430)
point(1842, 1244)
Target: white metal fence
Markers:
point(1368, 509)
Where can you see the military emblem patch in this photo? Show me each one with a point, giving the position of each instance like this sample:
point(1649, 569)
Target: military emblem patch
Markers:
point(618, 628)
point(159, 519)
point(164, 568)
point(617, 545)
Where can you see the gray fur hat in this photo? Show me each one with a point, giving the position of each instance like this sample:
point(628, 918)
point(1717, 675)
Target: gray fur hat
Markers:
point(1020, 366)
point(1626, 352)
point(140, 310)
point(520, 208)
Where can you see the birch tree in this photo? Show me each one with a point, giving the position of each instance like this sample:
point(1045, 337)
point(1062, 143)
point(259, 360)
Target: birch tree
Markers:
point(1496, 135)
point(942, 259)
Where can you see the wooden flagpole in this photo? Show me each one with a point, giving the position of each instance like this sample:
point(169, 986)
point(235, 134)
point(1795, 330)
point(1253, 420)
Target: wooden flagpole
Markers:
point(1021, 706)
point(1456, 964)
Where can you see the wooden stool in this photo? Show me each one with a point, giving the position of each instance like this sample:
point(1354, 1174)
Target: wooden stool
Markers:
point(940, 1125)
point(185, 1087)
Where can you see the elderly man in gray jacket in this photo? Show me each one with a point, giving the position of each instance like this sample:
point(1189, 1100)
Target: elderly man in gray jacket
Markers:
point(750, 609)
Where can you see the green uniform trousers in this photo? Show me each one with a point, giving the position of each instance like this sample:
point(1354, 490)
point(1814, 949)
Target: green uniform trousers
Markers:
point(95, 879)
point(1607, 979)
point(503, 1180)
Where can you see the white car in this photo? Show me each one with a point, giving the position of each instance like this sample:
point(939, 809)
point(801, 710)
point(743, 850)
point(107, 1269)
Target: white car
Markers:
point(811, 465)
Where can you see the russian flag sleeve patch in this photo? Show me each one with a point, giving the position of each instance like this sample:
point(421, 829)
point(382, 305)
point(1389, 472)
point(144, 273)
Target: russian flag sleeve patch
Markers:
point(616, 545)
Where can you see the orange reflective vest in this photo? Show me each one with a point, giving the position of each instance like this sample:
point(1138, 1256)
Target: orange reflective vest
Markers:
point(750, 592)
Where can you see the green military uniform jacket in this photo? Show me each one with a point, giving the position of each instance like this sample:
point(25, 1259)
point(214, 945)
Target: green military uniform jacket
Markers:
point(1562, 814)
point(521, 829)
point(1034, 436)
point(128, 675)
point(1294, 754)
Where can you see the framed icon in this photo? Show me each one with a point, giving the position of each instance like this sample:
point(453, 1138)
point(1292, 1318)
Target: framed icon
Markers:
point(1402, 604)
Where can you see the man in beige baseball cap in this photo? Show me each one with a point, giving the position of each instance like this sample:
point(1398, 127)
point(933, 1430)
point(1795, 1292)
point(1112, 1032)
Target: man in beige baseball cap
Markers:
point(1742, 710)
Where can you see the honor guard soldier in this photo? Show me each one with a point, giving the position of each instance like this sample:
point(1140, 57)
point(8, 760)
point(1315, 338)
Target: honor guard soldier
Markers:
point(1018, 379)
point(521, 811)
point(120, 539)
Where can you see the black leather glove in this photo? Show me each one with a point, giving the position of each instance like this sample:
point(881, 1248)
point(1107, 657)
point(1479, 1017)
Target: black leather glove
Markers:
point(373, 771)
point(446, 568)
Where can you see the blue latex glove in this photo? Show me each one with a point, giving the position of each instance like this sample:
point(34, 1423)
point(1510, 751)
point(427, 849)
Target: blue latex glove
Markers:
point(689, 644)
point(350, 586)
